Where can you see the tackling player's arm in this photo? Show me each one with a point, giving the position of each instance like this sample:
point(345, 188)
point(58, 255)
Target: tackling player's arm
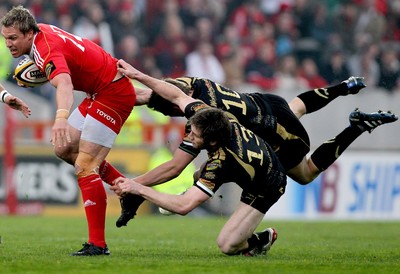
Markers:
point(64, 99)
point(164, 89)
point(181, 204)
point(166, 171)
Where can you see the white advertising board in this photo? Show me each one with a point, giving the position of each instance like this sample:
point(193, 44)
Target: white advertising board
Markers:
point(359, 185)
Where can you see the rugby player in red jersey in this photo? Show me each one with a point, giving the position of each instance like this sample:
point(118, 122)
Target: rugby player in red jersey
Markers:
point(84, 137)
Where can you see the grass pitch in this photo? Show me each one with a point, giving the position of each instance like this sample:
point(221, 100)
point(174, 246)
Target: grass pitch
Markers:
point(175, 244)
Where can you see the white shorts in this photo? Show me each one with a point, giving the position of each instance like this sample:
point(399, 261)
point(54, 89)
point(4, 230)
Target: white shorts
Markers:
point(92, 130)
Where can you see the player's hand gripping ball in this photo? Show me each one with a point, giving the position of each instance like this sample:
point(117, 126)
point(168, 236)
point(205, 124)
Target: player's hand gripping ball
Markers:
point(27, 74)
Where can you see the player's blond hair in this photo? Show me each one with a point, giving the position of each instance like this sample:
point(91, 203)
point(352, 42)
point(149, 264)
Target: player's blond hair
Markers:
point(20, 18)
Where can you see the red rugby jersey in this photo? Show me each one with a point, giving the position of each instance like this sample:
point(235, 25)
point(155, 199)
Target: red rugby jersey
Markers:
point(56, 51)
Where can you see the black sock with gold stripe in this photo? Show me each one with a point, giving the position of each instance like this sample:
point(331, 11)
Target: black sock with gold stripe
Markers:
point(318, 98)
point(329, 151)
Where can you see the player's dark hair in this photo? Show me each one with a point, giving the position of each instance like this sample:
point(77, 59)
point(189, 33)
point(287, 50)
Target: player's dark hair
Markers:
point(20, 18)
point(213, 125)
point(158, 103)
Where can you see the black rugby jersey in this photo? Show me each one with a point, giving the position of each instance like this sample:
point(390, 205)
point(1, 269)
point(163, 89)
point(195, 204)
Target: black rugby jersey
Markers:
point(267, 115)
point(244, 159)
point(251, 112)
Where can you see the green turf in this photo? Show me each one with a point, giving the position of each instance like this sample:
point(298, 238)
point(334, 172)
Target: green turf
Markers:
point(187, 245)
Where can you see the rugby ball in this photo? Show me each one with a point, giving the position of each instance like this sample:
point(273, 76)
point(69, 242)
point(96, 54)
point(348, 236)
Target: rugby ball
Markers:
point(28, 74)
point(165, 212)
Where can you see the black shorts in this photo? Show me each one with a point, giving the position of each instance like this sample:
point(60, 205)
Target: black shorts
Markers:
point(262, 198)
point(289, 139)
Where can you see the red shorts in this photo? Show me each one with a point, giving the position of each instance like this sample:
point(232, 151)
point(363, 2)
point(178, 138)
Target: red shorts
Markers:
point(112, 105)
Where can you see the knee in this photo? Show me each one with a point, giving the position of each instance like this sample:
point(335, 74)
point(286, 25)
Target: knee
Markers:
point(65, 154)
point(226, 246)
point(86, 165)
point(302, 179)
point(304, 173)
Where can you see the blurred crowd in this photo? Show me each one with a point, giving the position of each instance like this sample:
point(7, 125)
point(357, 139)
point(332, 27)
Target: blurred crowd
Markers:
point(270, 44)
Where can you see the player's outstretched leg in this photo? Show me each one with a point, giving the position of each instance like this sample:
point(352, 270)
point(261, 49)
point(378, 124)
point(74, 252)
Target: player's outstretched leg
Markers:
point(318, 98)
point(370, 121)
point(129, 205)
point(265, 240)
point(329, 151)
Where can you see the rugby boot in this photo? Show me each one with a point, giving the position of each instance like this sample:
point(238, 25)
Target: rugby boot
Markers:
point(129, 206)
point(354, 84)
point(263, 248)
point(90, 249)
point(370, 121)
